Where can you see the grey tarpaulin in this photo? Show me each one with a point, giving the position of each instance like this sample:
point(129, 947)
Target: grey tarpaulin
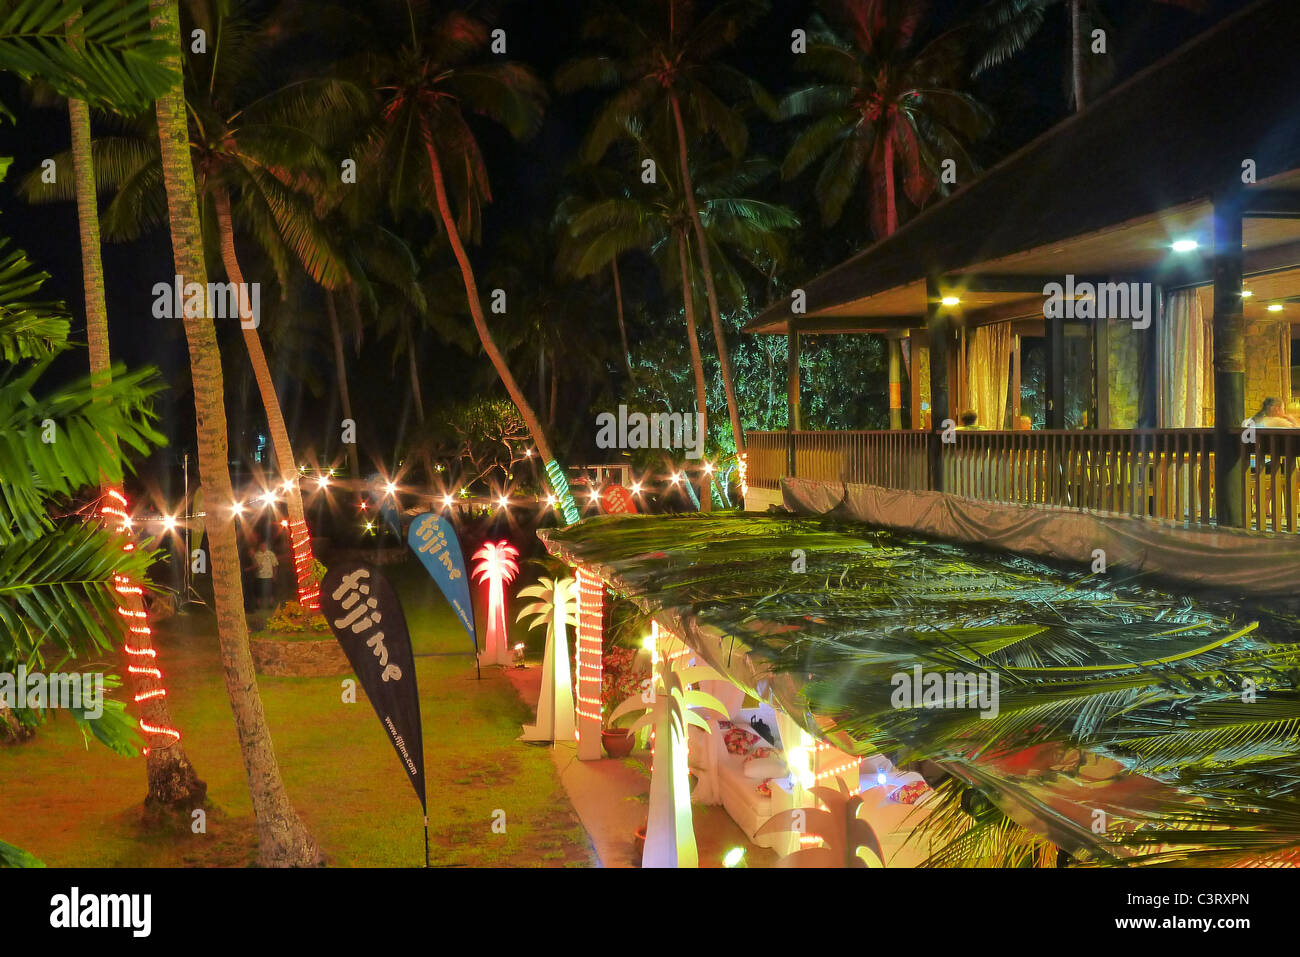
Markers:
point(1257, 563)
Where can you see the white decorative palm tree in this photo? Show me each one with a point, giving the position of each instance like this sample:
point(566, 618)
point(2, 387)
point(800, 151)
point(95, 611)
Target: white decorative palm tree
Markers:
point(669, 707)
point(555, 608)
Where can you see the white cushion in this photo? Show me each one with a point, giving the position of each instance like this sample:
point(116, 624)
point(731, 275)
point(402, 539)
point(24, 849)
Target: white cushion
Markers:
point(760, 769)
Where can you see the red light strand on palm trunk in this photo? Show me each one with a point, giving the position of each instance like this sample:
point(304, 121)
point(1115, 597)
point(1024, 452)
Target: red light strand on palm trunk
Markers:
point(303, 564)
point(114, 505)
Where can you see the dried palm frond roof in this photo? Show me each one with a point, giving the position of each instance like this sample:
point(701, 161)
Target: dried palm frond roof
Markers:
point(1188, 698)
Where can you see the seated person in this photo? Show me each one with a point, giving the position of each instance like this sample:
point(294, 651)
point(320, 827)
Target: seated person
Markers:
point(969, 418)
point(1272, 415)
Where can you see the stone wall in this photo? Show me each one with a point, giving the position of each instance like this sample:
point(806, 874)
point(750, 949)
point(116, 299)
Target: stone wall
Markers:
point(299, 658)
point(1268, 362)
point(1124, 373)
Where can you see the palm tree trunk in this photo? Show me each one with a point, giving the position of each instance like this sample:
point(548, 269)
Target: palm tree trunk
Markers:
point(304, 562)
point(1076, 50)
point(171, 782)
point(891, 190)
point(697, 363)
point(622, 326)
point(706, 266)
point(282, 838)
point(476, 306)
point(415, 376)
point(341, 372)
point(555, 395)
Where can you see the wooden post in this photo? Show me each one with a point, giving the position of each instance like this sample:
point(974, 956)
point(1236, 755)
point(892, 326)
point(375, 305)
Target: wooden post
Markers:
point(1101, 373)
point(895, 383)
point(589, 663)
point(1229, 361)
point(1149, 373)
point(792, 394)
point(938, 323)
point(1015, 381)
point(1055, 329)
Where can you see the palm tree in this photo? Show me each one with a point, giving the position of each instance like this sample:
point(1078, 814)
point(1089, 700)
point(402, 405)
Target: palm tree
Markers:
point(62, 577)
point(264, 151)
point(172, 781)
point(596, 183)
point(282, 838)
point(1012, 23)
point(667, 66)
point(882, 107)
point(659, 222)
point(425, 155)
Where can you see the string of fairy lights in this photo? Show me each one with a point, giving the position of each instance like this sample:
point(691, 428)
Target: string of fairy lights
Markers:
point(590, 664)
point(142, 656)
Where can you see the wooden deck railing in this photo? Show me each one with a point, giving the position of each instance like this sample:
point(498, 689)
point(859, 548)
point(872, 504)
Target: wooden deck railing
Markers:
point(1154, 473)
point(1272, 481)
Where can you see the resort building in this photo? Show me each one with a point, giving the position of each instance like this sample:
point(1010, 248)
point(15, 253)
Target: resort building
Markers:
point(1112, 301)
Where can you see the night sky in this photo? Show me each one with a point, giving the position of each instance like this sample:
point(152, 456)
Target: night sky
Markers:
point(1026, 97)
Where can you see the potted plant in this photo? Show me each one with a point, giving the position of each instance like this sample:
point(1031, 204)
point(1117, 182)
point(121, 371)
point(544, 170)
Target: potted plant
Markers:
point(620, 679)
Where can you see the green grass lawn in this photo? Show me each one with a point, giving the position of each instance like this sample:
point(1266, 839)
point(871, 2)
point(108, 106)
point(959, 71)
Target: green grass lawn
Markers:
point(79, 805)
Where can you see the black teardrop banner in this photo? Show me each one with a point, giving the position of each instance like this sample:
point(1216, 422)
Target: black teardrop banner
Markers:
point(366, 616)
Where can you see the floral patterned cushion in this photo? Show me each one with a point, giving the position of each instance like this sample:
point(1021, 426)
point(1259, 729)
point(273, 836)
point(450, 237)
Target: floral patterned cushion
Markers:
point(738, 740)
point(909, 793)
point(763, 787)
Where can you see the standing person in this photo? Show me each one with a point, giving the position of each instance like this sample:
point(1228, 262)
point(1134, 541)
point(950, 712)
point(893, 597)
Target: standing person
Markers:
point(265, 563)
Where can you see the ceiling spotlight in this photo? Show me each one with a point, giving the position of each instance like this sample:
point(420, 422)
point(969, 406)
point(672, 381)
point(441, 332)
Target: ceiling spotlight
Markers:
point(708, 468)
point(446, 501)
point(390, 487)
point(169, 523)
point(323, 481)
point(676, 477)
point(1184, 245)
point(1275, 307)
point(1246, 294)
point(284, 523)
point(269, 498)
point(503, 502)
point(636, 488)
point(528, 452)
point(950, 301)
point(550, 499)
point(237, 508)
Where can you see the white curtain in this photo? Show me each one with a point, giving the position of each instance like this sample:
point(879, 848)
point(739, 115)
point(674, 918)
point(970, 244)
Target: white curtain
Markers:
point(989, 369)
point(1186, 363)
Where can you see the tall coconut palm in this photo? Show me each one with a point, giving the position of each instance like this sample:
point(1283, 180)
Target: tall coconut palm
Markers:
point(657, 220)
point(172, 781)
point(1011, 24)
point(425, 155)
point(882, 106)
point(594, 184)
point(263, 151)
point(667, 67)
point(62, 576)
point(108, 56)
point(282, 838)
